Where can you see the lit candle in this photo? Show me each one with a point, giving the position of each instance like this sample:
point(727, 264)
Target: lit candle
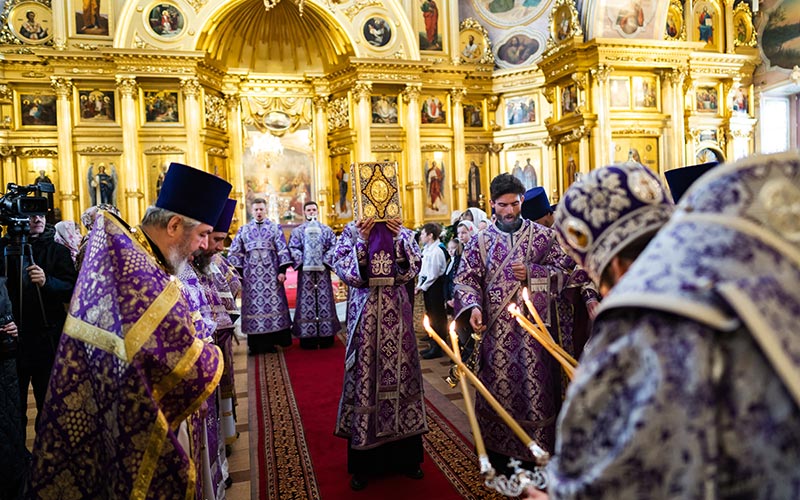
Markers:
point(534, 312)
point(555, 350)
point(537, 451)
point(473, 420)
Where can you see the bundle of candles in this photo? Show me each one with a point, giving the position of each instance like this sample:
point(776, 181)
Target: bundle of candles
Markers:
point(510, 486)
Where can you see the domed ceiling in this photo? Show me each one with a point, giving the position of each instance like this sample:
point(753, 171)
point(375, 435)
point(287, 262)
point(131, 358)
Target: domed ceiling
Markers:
point(248, 37)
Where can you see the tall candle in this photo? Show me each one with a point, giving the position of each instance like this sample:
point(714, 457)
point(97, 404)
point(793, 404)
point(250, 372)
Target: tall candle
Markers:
point(473, 420)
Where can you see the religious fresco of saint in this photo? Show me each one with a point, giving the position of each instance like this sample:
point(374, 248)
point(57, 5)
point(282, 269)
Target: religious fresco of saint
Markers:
point(31, 22)
point(433, 110)
point(642, 150)
point(430, 24)
point(377, 32)
point(632, 19)
point(384, 109)
point(166, 20)
point(96, 106)
point(526, 165)
point(92, 18)
point(37, 110)
point(780, 39)
point(475, 179)
point(436, 188)
point(708, 25)
point(517, 49)
point(520, 111)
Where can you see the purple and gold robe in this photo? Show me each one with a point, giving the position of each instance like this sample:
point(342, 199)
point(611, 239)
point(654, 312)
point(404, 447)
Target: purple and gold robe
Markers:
point(260, 251)
point(515, 368)
point(382, 399)
point(315, 313)
point(128, 371)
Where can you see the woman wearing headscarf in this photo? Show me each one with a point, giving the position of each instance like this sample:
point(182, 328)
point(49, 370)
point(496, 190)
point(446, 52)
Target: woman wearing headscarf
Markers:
point(87, 219)
point(68, 233)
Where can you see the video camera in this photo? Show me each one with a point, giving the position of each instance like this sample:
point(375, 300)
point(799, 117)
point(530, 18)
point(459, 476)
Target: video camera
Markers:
point(17, 206)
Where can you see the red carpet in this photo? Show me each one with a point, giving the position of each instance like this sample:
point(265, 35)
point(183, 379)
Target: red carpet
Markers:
point(450, 465)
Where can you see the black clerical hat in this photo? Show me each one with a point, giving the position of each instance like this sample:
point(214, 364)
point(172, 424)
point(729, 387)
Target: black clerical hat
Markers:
point(679, 179)
point(224, 222)
point(536, 204)
point(193, 193)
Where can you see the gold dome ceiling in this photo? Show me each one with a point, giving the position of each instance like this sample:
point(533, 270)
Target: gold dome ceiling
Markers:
point(246, 36)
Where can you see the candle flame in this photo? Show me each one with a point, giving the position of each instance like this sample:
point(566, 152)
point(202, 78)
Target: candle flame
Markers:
point(525, 295)
point(452, 326)
point(426, 322)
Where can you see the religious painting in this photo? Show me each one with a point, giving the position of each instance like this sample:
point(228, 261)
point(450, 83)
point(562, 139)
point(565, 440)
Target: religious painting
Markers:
point(161, 107)
point(435, 168)
point(509, 13)
point(31, 22)
point(216, 163)
point(517, 49)
point(632, 19)
point(430, 23)
point(569, 99)
point(706, 99)
point(384, 109)
point(434, 109)
point(707, 155)
point(780, 39)
point(157, 163)
point(343, 208)
point(377, 32)
point(520, 110)
point(675, 29)
point(563, 17)
point(37, 110)
point(96, 107)
point(642, 150)
point(526, 165)
point(471, 45)
point(743, 32)
point(473, 114)
point(166, 20)
point(645, 92)
point(279, 170)
point(707, 24)
point(570, 163)
point(740, 101)
point(477, 174)
point(92, 18)
point(38, 166)
point(101, 182)
point(620, 90)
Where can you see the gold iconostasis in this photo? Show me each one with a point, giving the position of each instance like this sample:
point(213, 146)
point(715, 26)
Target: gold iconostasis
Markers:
point(101, 96)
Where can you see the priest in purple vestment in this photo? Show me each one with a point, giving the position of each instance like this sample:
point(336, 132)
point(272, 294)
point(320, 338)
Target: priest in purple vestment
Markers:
point(382, 409)
point(311, 245)
point(689, 385)
point(260, 254)
point(496, 265)
point(130, 368)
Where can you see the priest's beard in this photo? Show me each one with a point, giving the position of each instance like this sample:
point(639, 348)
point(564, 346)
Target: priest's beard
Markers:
point(509, 226)
point(178, 256)
point(201, 261)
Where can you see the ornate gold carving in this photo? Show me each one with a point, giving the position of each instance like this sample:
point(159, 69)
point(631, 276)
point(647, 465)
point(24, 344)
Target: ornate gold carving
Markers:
point(362, 90)
point(68, 196)
point(37, 153)
point(675, 21)
point(549, 141)
point(411, 92)
point(492, 102)
point(601, 72)
point(476, 148)
point(216, 112)
point(435, 147)
point(523, 145)
point(382, 147)
point(458, 94)
point(232, 101)
point(86, 46)
point(62, 86)
point(163, 148)
point(139, 42)
point(581, 80)
point(33, 74)
point(320, 102)
point(133, 193)
point(338, 114)
point(339, 150)
point(575, 135)
point(215, 151)
point(794, 76)
point(360, 5)
point(743, 32)
point(7, 151)
point(495, 147)
point(564, 23)
point(197, 4)
point(637, 131)
point(549, 94)
point(191, 86)
point(100, 149)
point(5, 91)
point(127, 86)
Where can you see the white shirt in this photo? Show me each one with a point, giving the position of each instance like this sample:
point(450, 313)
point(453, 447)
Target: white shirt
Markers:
point(433, 265)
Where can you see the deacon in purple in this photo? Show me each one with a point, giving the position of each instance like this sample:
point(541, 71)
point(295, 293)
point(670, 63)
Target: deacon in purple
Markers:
point(689, 386)
point(260, 254)
point(499, 262)
point(311, 245)
point(382, 410)
point(130, 368)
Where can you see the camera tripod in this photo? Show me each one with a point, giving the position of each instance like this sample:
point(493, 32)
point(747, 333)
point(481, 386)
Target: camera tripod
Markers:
point(21, 250)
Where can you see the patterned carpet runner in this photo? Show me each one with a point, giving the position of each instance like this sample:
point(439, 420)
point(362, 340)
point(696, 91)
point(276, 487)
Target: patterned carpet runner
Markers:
point(293, 399)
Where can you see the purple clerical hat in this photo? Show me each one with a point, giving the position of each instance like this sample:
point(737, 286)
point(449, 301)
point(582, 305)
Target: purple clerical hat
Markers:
point(224, 222)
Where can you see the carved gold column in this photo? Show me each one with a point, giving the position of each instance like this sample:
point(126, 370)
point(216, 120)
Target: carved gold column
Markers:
point(361, 94)
point(236, 135)
point(602, 136)
point(59, 26)
point(66, 160)
point(191, 104)
point(494, 163)
point(729, 33)
point(322, 180)
point(460, 170)
point(415, 182)
point(550, 164)
point(9, 167)
point(132, 210)
point(673, 103)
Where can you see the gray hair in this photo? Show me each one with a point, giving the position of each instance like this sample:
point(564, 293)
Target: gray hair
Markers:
point(160, 217)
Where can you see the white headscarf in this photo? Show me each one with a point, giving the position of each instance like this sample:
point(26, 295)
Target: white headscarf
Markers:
point(68, 233)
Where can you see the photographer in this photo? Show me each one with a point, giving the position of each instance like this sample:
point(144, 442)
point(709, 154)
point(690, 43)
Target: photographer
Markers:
point(48, 278)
